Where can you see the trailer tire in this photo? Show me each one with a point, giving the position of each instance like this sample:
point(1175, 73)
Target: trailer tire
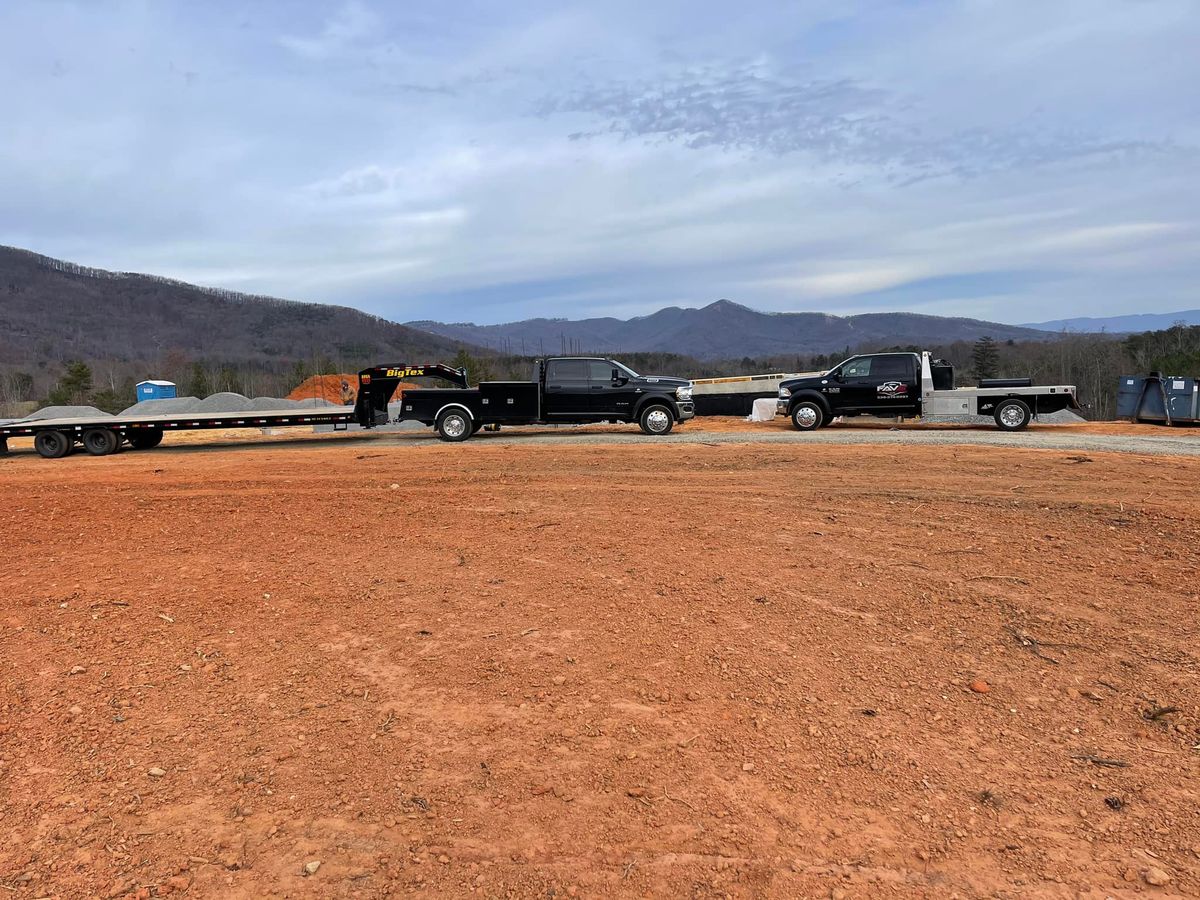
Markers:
point(101, 441)
point(52, 444)
point(656, 420)
point(145, 439)
point(454, 425)
point(1012, 415)
point(807, 415)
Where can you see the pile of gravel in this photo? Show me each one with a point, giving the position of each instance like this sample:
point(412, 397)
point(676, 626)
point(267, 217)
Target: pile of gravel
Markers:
point(66, 412)
point(224, 402)
point(311, 403)
point(167, 406)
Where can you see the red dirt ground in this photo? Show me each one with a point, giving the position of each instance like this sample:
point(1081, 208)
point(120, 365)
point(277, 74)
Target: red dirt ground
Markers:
point(671, 670)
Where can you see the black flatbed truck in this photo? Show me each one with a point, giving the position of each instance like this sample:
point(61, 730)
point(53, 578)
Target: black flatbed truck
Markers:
point(908, 385)
point(565, 390)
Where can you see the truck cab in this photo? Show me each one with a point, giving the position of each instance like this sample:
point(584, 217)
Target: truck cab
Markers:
point(878, 384)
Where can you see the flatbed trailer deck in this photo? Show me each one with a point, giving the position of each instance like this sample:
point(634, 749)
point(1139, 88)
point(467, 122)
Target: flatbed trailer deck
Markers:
point(100, 435)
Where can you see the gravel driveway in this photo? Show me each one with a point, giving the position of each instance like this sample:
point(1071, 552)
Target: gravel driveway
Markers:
point(1187, 445)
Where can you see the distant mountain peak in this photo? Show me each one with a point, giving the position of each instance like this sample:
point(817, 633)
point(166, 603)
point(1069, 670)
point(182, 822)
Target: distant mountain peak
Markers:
point(729, 330)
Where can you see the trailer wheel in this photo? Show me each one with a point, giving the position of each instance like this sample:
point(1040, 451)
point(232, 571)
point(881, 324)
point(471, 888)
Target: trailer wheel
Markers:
point(807, 416)
point(145, 439)
point(454, 425)
point(656, 420)
point(101, 441)
point(52, 444)
point(1012, 415)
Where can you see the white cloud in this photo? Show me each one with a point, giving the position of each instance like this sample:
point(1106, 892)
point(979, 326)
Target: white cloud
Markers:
point(979, 158)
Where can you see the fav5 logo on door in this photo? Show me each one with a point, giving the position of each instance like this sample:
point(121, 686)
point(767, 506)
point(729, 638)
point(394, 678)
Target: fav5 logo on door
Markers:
point(893, 389)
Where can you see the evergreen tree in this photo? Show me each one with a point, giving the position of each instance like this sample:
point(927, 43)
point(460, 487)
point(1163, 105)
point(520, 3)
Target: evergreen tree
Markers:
point(985, 358)
point(74, 387)
point(198, 384)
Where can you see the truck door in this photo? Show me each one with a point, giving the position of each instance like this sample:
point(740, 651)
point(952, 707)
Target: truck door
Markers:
point(895, 380)
point(568, 390)
point(855, 389)
point(612, 398)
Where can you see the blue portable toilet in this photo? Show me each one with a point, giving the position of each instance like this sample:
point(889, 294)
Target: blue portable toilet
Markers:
point(155, 390)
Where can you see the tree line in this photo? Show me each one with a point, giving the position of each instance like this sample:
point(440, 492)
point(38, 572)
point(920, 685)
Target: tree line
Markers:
point(1092, 362)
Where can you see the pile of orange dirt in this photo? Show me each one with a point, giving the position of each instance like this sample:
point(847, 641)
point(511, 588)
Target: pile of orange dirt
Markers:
point(329, 387)
point(324, 387)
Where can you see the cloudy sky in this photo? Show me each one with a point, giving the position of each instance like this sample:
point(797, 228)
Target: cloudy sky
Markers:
point(1017, 160)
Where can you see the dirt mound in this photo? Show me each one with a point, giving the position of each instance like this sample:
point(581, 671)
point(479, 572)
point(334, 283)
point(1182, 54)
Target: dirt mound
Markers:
point(328, 388)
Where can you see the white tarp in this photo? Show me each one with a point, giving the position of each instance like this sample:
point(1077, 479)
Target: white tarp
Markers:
point(764, 410)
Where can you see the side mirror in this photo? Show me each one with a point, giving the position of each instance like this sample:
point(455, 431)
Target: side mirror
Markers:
point(617, 378)
point(836, 375)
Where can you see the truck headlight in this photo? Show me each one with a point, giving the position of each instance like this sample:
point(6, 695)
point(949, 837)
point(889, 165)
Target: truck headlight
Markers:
point(683, 393)
point(784, 393)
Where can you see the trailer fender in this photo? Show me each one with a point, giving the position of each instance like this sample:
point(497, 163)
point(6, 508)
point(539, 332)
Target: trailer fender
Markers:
point(461, 406)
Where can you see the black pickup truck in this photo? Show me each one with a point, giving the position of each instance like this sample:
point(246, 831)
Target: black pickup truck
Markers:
point(564, 390)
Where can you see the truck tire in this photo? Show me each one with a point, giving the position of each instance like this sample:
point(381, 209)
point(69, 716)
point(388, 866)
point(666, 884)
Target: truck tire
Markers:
point(656, 420)
point(101, 441)
point(807, 416)
point(145, 438)
point(1012, 414)
point(52, 444)
point(454, 425)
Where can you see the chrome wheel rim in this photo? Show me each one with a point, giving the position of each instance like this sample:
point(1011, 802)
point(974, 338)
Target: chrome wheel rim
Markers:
point(657, 421)
point(1012, 416)
point(806, 417)
point(454, 426)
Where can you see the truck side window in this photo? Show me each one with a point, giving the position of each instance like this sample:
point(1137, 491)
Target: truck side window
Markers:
point(567, 371)
point(858, 368)
point(897, 367)
point(601, 371)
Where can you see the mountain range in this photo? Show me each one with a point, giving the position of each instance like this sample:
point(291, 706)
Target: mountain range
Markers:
point(52, 311)
point(1122, 324)
point(725, 330)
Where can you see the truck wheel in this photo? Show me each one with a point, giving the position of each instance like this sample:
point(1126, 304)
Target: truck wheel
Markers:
point(1012, 415)
point(807, 416)
point(656, 420)
point(101, 441)
point(145, 438)
point(52, 444)
point(454, 425)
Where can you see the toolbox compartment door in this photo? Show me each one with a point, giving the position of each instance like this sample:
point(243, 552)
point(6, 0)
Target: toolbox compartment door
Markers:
point(509, 400)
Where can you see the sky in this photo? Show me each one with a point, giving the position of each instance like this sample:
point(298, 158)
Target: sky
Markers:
point(1013, 160)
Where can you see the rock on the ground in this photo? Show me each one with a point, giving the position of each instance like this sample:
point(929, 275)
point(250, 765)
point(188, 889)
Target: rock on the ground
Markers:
point(1156, 876)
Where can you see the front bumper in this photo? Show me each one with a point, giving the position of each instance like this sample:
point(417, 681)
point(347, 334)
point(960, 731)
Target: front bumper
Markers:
point(687, 409)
